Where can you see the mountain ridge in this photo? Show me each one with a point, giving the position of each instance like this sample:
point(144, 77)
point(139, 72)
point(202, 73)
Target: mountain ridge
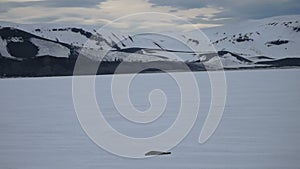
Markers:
point(270, 42)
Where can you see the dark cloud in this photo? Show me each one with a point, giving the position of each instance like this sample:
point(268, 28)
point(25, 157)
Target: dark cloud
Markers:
point(4, 6)
point(257, 9)
point(238, 9)
point(71, 3)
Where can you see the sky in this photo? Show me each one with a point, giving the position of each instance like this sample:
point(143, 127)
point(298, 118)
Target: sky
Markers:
point(144, 14)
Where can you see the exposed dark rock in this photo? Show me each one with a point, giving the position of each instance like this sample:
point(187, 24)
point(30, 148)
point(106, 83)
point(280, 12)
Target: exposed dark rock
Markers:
point(277, 42)
point(130, 38)
point(194, 41)
point(282, 62)
point(243, 38)
point(264, 57)
point(297, 29)
point(25, 49)
point(240, 58)
point(54, 66)
point(82, 32)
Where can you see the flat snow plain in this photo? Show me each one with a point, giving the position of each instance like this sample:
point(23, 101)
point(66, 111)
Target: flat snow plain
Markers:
point(260, 127)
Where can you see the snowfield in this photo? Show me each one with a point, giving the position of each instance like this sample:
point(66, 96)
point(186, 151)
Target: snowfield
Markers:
point(260, 127)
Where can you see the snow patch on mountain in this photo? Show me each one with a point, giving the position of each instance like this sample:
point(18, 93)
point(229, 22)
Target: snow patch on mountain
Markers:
point(3, 49)
point(50, 48)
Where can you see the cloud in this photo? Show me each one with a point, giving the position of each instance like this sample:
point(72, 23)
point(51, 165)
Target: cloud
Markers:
point(143, 14)
point(181, 4)
point(238, 10)
point(197, 13)
point(256, 9)
point(23, 0)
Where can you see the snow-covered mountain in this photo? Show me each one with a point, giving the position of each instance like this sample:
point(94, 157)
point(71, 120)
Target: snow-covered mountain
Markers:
point(260, 40)
point(255, 43)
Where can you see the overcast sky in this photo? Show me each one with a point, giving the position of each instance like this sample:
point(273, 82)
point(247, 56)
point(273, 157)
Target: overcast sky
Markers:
point(192, 13)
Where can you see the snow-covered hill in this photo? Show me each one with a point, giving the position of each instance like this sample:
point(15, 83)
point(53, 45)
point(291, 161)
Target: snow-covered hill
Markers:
point(254, 43)
point(276, 37)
